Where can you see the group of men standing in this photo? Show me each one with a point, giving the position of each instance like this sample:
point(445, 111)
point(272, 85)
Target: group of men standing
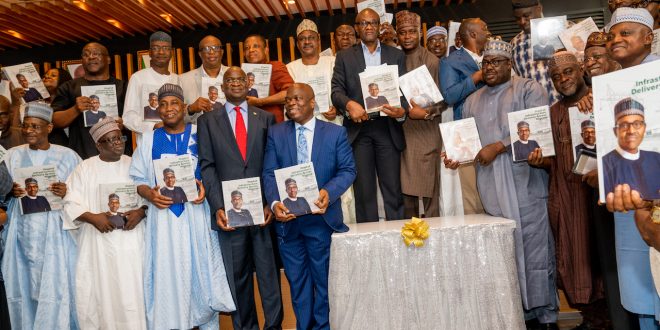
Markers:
point(177, 265)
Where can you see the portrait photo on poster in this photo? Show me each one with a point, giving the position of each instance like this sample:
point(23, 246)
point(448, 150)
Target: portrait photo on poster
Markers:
point(36, 182)
point(243, 202)
point(297, 188)
point(530, 129)
point(176, 178)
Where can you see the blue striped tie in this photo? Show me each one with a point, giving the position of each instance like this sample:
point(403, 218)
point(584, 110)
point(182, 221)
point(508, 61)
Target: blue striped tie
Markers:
point(302, 146)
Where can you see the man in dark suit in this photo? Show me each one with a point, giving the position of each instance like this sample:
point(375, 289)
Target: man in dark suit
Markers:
point(31, 203)
point(304, 241)
point(232, 138)
point(524, 146)
point(117, 218)
point(176, 193)
point(237, 216)
point(296, 205)
point(251, 91)
point(93, 115)
point(378, 142)
point(151, 110)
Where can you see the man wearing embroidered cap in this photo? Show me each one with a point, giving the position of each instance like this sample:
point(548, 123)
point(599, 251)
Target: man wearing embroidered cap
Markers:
point(514, 191)
point(588, 133)
point(630, 36)
point(238, 153)
point(422, 154)
point(653, 6)
point(181, 297)
point(597, 61)
point(436, 41)
point(106, 254)
point(43, 265)
point(31, 202)
point(148, 80)
point(570, 199)
point(627, 163)
point(524, 11)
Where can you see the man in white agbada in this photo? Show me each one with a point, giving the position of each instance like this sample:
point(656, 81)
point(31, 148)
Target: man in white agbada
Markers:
point(108, 283)
point(39, 256)
point(185, 284)
point(311, 65)
point(146, 81)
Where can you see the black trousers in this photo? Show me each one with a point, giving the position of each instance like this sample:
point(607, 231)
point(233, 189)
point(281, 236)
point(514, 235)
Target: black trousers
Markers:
point(376, 156)
point(244, 251)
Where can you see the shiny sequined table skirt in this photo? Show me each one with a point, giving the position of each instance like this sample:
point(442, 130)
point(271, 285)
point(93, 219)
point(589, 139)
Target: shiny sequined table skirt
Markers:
point(464, 277)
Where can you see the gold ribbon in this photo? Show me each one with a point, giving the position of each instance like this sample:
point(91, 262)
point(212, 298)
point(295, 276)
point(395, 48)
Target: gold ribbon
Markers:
point(415, 232)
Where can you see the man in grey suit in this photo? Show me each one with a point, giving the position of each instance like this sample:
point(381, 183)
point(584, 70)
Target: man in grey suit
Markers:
point(377, 141)
point(232, 140)
point(210, 51)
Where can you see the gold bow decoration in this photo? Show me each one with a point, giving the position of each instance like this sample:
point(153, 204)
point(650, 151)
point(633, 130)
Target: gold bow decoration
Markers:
point(415, 232)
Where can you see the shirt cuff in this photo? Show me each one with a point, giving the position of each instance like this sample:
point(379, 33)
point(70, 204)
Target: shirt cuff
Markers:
point(272, 205)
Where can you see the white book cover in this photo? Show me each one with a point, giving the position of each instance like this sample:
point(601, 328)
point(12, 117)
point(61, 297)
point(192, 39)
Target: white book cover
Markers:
point(628, 147)
point(297, 188)
point(545, 36)
point(585, 162)
point(321, 89)
point(176, 178)
point(26, 76)
point(583, 132)
point(451, 36)
point(124, 193)
point(575, 37)
point(377, 5)
point(36, 182)
point(655, 47)
point(212, 90)
point(380, 86)
point(460, 139)
point(258, 78)
point(243, 203)
point(531, 129)
point(149, 103)
point(104, 103)
point(418, 86)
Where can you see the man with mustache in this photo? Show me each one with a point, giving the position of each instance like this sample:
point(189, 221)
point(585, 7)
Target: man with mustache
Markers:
point(70, 105)
point(511, 190)
point(146, 81)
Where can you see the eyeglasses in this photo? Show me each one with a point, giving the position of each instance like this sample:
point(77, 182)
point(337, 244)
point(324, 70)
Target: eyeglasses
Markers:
point(308, 38)
point(114, 140)
point(364, 24)
point(33, 127)
point(87, 54)
point(594, 58)
point(435, 42)
point(157, 49)
point(230, 81)
point(494, 63)
point(209, 49)
point(637, 124)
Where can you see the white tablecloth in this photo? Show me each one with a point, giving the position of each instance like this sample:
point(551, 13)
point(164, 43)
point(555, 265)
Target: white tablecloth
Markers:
point(464, 277)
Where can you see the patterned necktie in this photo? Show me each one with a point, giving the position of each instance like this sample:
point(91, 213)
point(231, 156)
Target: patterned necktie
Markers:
point(241, 133)
point(302, 146)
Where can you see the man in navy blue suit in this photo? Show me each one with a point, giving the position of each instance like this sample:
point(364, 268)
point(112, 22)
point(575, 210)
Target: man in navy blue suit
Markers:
point(304, 241)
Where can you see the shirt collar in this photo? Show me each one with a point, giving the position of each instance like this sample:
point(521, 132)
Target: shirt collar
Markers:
point(230, 107)
point(626, 154)
point(524, 142)
point(588, 146)
point(206, 75)
point(310, 125)
point(474, 56)
point(366, 50)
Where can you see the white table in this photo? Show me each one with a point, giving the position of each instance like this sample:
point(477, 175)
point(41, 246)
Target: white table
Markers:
point(464, 277)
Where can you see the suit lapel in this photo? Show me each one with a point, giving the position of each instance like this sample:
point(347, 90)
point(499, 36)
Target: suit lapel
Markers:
point(253, 118)
point(225, 129)
point(291, 142)
point(317, 141)
point(360, 57)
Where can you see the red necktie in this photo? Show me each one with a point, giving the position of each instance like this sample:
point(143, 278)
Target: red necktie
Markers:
point(241, 133)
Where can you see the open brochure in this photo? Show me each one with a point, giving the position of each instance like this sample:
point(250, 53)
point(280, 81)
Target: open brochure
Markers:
point(212, 90)
point(451, 37)
point(176, 178)
point(380, 86)
point(258, 78)
point(545, 36)
point(575, 37)
point(627, 120)
point(104, 103)
point(531, 129)
point(243, 203)
point(26, 76)
point(377, 5)
point(117, 198)
point(321, 87)
point(36, 182)
point(418, 86)
point(297, 188)
point(461, 139)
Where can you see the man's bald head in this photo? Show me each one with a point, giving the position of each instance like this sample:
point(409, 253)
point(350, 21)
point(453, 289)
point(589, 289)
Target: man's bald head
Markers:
point(474, 34)
point(209, 39)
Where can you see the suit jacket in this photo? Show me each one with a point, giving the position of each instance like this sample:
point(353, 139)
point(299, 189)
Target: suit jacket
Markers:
point(346, 87)
point(456, 79)
point(332, 157)
point(219, 157)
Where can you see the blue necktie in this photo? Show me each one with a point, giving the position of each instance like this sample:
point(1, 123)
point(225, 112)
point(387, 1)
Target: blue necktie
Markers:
point(302, 146)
